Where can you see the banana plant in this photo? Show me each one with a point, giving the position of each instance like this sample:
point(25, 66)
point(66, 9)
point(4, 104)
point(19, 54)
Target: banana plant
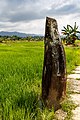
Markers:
point(70, 33)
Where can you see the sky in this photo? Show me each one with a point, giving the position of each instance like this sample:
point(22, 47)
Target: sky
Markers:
point(29, 16)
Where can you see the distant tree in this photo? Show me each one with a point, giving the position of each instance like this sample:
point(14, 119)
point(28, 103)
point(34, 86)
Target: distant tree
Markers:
point(1, 40)
point(14, 37)
point(70, 34)
point(29, 38)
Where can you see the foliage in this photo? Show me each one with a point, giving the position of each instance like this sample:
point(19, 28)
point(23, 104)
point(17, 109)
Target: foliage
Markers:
point(68, 106)
point(17, 38)
point(70, 34)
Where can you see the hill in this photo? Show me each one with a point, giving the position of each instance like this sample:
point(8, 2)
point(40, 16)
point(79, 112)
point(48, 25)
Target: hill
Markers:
point(5, 33)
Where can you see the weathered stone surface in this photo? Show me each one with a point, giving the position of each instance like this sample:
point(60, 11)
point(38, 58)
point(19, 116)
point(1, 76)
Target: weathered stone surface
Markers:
point(60, 114)
point(74, 81)
point(54, 72)
point(74, 76)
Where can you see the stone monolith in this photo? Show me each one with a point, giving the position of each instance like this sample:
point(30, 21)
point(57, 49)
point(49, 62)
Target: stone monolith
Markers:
point(54, 67)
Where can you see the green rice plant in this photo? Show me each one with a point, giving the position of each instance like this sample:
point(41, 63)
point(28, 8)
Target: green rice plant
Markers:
point(72, 58)
point(21, 65)
point(68, 106)
point(20, 81)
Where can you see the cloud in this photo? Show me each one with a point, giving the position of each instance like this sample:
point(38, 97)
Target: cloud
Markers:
point(27, 10)
point(22, 16)
point(16, 10)
point(64, 10)
point(21, 13)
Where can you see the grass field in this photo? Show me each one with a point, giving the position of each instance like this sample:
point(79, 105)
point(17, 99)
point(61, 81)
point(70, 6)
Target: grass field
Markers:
point(20, 79)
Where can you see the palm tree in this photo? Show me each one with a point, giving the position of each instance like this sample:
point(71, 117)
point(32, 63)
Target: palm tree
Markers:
point(70, 33)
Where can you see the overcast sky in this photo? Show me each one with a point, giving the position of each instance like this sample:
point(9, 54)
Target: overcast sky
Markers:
point(29, 15)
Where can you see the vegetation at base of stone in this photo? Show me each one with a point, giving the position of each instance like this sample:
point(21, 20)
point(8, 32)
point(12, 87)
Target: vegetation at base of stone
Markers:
point(21, 77)
point(70, 34)
point(68, 106)
point(77, 78)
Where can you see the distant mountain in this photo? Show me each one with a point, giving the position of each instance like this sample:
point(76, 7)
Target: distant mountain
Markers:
point(4, 33)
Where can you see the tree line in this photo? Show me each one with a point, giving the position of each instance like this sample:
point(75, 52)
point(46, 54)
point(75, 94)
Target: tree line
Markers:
point(17, 38)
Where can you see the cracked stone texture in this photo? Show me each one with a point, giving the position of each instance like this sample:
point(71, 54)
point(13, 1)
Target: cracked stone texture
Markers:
point(76, 113)
point(75, 86)
point(60, 114)
point(74, 80)
point(74, 76)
